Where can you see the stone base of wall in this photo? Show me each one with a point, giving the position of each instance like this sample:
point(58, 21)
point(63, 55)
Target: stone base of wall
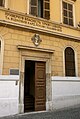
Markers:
point(63, 103)
point(66, 102)
point(8, 107)
point(49, 106)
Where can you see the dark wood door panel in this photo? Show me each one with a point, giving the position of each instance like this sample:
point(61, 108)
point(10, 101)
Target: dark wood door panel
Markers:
point(40, 86)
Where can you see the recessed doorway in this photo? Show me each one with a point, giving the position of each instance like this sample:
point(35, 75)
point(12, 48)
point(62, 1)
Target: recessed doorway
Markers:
point(34, 86)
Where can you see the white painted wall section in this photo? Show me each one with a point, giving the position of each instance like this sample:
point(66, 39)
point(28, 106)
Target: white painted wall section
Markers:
point(65, 92)
point(9, 95)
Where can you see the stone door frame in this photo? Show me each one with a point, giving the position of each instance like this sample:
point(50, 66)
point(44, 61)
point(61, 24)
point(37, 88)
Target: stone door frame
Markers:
point(31, 57)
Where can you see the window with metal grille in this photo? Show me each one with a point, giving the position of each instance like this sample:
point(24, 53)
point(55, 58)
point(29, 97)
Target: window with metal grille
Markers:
point(67, 13)
point(2, 3)
point(69, 62)
point(40, 8)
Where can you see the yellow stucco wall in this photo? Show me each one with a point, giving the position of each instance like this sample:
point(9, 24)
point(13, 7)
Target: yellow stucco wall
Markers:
point(77, 9)
point(22, 6)
point(55, 8)
point(15, 37)
point(18, 5)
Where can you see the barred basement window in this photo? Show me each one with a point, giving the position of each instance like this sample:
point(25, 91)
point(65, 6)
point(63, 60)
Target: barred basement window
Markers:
point(40, 8)
point(69, 62)
point(2, 3)
point(67, 13)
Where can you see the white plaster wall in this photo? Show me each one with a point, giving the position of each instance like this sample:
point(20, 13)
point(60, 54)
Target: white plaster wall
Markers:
point(9, 94)
point(65, 92)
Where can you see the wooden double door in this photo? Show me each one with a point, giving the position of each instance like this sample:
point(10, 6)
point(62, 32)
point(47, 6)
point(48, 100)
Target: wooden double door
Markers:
point(35, 86)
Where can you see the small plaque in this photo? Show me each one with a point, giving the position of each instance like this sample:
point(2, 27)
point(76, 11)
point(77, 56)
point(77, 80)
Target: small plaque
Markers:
point(14, 71)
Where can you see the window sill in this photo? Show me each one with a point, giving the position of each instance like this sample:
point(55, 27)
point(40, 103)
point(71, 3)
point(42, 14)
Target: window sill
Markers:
point(37, 17)
point(71, 27)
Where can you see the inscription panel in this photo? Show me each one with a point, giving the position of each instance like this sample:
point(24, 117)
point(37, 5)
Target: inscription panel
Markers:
point(32, 21)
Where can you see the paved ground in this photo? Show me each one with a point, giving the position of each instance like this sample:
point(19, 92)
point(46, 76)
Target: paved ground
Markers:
point(64, 114)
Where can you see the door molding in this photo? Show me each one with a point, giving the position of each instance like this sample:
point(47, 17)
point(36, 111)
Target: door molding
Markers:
point(36, 56)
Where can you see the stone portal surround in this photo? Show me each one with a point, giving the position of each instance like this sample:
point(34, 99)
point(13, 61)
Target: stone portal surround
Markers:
point(37, 57)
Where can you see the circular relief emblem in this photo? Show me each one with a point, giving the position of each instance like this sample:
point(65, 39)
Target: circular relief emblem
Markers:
point(36, 39)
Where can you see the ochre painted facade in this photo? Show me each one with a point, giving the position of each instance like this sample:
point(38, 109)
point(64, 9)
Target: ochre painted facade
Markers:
point(18, 27)
point(15, 37)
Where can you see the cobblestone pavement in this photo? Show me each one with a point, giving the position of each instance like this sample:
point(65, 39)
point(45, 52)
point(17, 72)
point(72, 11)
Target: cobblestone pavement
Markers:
point(63, 114)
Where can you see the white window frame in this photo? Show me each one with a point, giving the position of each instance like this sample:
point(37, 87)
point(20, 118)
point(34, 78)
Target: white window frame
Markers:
point(70, 2)
point(28, 6)
point(6, 4)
